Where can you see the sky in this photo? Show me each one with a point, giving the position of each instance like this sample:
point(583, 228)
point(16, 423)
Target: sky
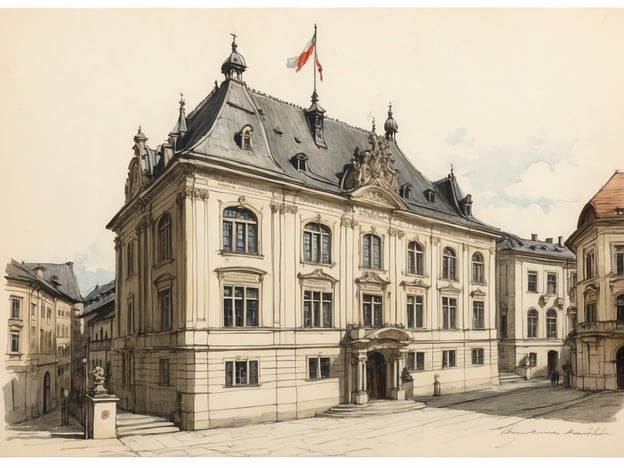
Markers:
point(525, 104)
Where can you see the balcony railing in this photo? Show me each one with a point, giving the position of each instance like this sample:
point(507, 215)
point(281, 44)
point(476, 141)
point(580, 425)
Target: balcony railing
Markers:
point(607, 327)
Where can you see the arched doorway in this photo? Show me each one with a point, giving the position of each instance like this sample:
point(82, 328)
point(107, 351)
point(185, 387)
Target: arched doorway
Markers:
point(46, 392)
point(552, 362)
point(376, 376)
point(619, 359)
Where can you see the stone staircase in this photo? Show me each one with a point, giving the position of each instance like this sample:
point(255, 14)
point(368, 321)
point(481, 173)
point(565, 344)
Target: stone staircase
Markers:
point(372, 408)
point(509, 378)
point(132, 424)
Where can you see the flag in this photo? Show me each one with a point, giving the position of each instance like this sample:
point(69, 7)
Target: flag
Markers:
point(299, 61)
point(319, 68)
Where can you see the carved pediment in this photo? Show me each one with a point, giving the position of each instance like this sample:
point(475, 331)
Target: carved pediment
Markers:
point(449, 289)
point(417, 283)
point(317, 275)
point(477, 293)
point(373, 166)
point(370, 277)
point(135, 180)
point(240, 274)
point(379, 196)
point(590, 289)
point(389, 333)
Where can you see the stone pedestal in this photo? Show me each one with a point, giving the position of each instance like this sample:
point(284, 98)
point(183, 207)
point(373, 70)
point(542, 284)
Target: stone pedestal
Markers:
point(360, 398)
point(397, 394)
point(102, 416)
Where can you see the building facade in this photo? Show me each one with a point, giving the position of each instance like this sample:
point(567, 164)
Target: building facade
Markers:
point(535, 282)
point(272, 262)
point(598, 242)
point(44, 302)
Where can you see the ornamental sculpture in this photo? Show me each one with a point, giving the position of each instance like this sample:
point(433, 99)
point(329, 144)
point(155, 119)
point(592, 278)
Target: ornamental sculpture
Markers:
point(373, 166)
point(98, 380)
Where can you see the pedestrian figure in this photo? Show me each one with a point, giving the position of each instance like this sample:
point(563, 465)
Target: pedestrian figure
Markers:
point(552, 378)
point(556, 377)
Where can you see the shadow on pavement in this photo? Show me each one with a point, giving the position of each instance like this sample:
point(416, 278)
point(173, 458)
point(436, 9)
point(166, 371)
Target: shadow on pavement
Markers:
point(539, 402)
point(48, 426)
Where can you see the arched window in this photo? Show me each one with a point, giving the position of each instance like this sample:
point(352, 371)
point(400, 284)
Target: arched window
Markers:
point(477, 268)
point(130, 258)
point(551, 324)
point(316, 243)
point(532, 324)
point(619, 307)
point(240, 231)
point(371, 251)
point(415, 258)
point(300, 162)
point(448, 263)
point(164, 237)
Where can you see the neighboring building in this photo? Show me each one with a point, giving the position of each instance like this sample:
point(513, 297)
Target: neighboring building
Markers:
point(535, 282)
point(98, 315)
point(44, 302)
point(272, 262)
point(598, 242)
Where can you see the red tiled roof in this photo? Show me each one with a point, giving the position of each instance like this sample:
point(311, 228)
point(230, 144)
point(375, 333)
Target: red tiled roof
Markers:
point(607, 203)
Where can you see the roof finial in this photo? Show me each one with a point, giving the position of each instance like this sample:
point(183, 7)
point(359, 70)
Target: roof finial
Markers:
point(452, 173)
point(181, 101)
point(373, 130)
point(139, 130)
point(233, 41)
point(390, 109)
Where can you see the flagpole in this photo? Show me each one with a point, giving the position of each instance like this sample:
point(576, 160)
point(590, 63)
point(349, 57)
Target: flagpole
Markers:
point(314, 64)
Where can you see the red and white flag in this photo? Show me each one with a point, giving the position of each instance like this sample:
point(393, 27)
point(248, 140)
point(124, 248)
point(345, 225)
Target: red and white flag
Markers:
point(299, 61)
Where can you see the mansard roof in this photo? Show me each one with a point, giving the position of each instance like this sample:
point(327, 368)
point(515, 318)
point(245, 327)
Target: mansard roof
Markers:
point(58, 279)
point(100, 299)
point(511, 242)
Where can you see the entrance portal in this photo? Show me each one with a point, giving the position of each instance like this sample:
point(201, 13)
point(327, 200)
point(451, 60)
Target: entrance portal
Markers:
point(619, 359)
point(46, 392)
point(376, 376)
point(552, 362)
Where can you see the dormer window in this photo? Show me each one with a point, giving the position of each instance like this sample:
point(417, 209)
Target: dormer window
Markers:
point(430, 195)
point(300, 162)
point(406, 191)
point(244, 138)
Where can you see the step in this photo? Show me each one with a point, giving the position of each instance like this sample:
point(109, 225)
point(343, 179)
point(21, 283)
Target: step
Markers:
point(377, 407)
point(150, 424)
point(152, 431)
point(139, 421)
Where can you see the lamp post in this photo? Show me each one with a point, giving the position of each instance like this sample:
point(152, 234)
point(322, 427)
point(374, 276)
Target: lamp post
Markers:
point(84, 397)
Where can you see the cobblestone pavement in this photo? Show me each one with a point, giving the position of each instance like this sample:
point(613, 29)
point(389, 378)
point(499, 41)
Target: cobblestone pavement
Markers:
point(511, 420)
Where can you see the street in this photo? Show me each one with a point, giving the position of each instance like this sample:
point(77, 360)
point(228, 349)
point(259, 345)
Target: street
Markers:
point(510, 420)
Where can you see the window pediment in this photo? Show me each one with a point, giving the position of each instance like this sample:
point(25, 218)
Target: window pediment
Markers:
point(477, 293)
point(240, 274)
point(373, 279)
point(164, 280)
point(316, 275)
point(417, 283)
point(449, 289)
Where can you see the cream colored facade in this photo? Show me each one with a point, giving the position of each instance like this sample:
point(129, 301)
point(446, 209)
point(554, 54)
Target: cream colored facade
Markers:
point(220, 323)
point(536, 282)
point(43, 302)
point(599, 245)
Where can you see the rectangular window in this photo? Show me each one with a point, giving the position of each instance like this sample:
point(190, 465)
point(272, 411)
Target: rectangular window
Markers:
point(478, 314)
point(589, 264)
point(532, 281)
point(33, 311)
point(16, 305)
point(411, 361)
point(619, 260)
point(241, 373)
point(164, 308)
point(318, 368)
point(164, 372)
point(551, 282)
point(572, 281)
point(130, 259)
point(317, 309)
point(590, 312)
point(449, 313)
point(240, 306)
point(448, 358)
point(420, 361)
point(477, 356)
point(43, 311)
point(533, 359)
point(49, 313)
point(372, 311)
point(414, 311)
point(15, 342)
point(416, 361)
point(503, 324)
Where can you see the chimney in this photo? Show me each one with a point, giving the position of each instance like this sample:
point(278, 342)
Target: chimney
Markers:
point(560, 241)
point(533, 237)
point(549, 240)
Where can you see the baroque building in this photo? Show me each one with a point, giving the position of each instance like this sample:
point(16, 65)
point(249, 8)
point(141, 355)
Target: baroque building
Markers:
point(44, 302)
point(598, 242)
point(535, 283)
point(272, 262)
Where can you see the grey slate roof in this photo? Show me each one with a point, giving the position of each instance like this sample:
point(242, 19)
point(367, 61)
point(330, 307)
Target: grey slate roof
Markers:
point(511, 242)
point(100, 300)
point(280, 131)
point(57, 278)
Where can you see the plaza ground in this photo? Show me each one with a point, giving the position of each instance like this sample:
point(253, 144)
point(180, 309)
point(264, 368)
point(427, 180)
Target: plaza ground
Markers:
point(525, 419)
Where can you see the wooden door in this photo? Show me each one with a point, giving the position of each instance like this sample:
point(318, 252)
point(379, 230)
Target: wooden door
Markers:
point(620, 368)
point(376, 376)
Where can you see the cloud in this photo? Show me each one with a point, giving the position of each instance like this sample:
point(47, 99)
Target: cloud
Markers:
point(457, 136)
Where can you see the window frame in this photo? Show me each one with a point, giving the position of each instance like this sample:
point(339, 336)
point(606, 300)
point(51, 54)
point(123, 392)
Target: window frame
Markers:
point(478, 315)
point(449, 313)
point(165, 321)
point(589, 263)
point(14, 339)
point(532, 359)
point(449, 358)
point(591, 311)
point(319, 239)
point(247, 299)
point(164, 246)
point(250, 226)
point(551, 324)
point(619, 307)
point(551, 286)
point(415, 258)
point(618, 259)
point(319, 367)
point(130, 258)
point(477, 356)
point(532, 285)
point(234, 372)
point(532, 323)
point(415, 302)
point(478, 268)
point(164, 368)
point(371, 299)
point(319, 311)
point(449, 264)
point(16, 301)
point(372, 253)
point(415, 361)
